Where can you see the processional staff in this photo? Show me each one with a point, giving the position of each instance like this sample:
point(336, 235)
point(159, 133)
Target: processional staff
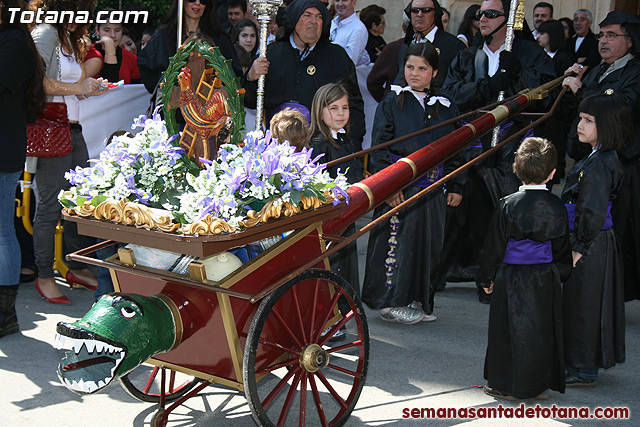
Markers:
point(514, 22)
point(265, 10)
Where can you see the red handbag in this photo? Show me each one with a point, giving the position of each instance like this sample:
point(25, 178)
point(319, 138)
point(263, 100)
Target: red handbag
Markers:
point(50, 135)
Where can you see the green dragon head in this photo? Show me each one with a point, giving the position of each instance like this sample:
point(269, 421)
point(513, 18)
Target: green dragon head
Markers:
point(120, 332)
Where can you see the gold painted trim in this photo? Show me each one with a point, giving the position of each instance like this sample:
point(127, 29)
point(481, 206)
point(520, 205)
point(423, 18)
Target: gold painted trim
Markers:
point(367, 190)
point(473, 129)
point(266, 256)
point(500, 113)
point(412, 164)
point(198, 374)
point(114, 279)
point(129, 213)
point(177, 319)
point(229, 322)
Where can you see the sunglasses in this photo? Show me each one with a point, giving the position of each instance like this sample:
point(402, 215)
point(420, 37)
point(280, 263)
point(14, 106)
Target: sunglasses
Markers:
point(489, 13)
point(202, 2)
point(424, 10)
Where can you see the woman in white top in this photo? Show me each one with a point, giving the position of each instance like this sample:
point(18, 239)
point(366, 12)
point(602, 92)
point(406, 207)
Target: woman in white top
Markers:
point(62, 49)
point(469, 25)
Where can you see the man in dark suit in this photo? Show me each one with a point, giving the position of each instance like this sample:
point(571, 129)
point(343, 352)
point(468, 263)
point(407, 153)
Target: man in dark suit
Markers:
point(619, 73)
point(426, 26)
point(584, 44)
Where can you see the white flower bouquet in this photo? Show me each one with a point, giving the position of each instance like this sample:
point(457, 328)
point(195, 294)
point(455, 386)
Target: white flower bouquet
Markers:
point(147, 168)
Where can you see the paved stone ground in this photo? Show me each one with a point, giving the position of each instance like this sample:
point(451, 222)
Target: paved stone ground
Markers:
point(432, 365)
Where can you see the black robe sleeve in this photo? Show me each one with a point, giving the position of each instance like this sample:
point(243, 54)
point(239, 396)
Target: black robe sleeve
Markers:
point(592, 183)
point(495, 245)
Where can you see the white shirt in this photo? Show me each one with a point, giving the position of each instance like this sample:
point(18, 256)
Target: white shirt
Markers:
point(431, 35)
point(351, 34)
point(70, 72)
point(494, 59)
point(579, 41)
point(295, 46)
point(525, 187)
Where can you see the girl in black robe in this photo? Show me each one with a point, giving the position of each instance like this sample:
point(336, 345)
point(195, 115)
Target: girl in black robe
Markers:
point(329, 129)
point(525, 258)
point(594, 295)
point(404, 253)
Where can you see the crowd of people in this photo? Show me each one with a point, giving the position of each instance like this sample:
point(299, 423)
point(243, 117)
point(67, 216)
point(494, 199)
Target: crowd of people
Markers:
point(556, 277)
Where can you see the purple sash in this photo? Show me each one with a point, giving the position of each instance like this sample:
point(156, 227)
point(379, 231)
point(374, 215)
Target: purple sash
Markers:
point(504, 127)
point(571, 210)
point(528, 252)
point(427, 179)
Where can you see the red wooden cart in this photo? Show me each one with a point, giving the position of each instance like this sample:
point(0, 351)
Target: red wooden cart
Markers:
point(240, 332)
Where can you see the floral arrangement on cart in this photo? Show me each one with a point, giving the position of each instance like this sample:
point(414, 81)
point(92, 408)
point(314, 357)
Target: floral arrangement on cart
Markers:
point(146, 179)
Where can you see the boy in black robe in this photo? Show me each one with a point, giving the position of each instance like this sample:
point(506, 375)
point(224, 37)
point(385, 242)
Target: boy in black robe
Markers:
point(525, 259)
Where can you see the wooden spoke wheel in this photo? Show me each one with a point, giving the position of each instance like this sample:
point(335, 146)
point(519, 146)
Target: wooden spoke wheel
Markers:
point(144, 383)
point(292, 373)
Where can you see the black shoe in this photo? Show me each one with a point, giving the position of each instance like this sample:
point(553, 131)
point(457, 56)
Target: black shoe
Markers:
point(484, 298)
point(8, 318)
point(571, 381)
point(28, 277)
point(495, 393)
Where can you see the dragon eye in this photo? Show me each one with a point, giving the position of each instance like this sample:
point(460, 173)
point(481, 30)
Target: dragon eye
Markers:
point(128, 312)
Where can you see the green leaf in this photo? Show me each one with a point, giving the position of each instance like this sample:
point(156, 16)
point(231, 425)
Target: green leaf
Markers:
point(295, 197)
point(67, 203)
point(80, 200)
point(98, 199)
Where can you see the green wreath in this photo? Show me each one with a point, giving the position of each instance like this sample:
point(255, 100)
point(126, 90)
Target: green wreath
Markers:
point(224, 71)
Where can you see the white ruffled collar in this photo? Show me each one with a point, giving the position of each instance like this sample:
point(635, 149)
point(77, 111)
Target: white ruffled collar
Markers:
point(334, 134)
point(420, 96)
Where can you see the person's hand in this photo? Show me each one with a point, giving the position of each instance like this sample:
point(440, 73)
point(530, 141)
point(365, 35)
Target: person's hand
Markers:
point(574, 69)
point(108, 44)
point(89, 86)
point(396, 199)
point(260, 67)
point(454, 199)
point(510, 64)
point(488, 290)
point(576, 257)
point(573, 83)
point(499, 82)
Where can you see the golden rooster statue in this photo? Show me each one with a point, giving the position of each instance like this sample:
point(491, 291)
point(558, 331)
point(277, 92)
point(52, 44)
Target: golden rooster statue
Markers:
point(204, 118)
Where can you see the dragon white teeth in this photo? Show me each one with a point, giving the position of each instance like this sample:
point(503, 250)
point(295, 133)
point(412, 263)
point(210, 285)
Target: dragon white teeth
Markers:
point(77, 345)
point(99, 346)
point(90, 344)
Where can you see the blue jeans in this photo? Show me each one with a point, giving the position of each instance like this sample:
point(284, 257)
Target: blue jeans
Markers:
point(10, 258)
point(584, 373)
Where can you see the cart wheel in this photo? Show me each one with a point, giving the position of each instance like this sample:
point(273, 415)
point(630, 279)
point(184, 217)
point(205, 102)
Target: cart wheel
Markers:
point(287, 358)
point(157, 421)
point(143, 383)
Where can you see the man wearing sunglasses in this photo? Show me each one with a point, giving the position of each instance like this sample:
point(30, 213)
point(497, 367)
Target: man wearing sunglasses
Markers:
point(425, 27)
point(618, 72)
point(475, 77)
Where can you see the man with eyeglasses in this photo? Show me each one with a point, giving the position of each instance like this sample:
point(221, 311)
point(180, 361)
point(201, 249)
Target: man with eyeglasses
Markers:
point(476, 76)
point(425, 27)
point(619, 73)
point(584, 44)
point(301, 62)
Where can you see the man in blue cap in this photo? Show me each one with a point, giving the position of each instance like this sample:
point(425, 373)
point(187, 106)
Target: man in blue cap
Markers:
point(618, 72)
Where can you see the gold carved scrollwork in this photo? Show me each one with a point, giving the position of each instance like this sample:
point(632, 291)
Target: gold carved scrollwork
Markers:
point(134, 214)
